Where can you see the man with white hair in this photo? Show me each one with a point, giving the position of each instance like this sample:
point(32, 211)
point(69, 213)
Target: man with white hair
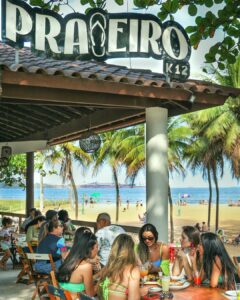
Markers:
point(106, 234)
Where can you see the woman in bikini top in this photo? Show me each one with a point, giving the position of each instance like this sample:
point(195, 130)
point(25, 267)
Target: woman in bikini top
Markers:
point(151, 250)
point(120, 278)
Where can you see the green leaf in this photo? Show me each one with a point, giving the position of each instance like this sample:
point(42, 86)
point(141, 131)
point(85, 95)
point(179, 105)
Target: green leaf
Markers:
point(162, 15)
point(231, 59)
point(221, 66)
point(199, 20)
point(119, 2)
point(174, 6)
point(191, 29)
point(218, 1)
point(209, 3)
point(192, 9)
point(37, 3)
point(84, 2)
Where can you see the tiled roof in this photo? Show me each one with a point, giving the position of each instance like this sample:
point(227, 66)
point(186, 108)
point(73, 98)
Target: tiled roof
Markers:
point(30, 63)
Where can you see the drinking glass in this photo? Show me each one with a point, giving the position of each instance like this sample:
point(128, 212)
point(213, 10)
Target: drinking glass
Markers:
point(165, 283)
point(197, 279)
point(143, 273)
point(238, 290)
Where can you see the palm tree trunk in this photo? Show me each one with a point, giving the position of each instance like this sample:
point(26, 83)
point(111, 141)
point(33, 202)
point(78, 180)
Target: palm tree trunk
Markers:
point(171, 214)
point(210, 197)
point(115, 177)
point(41, 204)
point(74, 188)
point(217, 198)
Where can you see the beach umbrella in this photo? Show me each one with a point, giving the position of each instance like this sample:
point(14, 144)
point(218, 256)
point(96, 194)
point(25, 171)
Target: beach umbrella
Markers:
point(185, 196)
point(96, 195)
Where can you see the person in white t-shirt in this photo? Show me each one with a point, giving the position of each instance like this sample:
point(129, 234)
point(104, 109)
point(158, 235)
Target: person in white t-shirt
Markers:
point(106, 234)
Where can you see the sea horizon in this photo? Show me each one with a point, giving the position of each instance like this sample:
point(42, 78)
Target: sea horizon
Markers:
point(131, 194)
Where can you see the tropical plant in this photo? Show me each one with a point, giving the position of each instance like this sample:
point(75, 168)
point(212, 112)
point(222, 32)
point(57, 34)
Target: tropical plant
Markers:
point(220, 15)
point(64, 155)
point(109, 153)
point(132, 152)
point(15, 171)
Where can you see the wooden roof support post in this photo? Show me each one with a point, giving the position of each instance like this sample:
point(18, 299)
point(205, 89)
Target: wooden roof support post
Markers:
point(30, 182)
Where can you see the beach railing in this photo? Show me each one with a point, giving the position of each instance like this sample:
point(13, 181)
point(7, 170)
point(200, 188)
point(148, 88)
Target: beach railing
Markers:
point(92, 225)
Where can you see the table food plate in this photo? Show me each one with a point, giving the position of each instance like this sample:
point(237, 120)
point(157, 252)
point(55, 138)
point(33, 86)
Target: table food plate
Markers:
point(151, 283)
point(231, 293)
point(179, 285)
point(154, 289)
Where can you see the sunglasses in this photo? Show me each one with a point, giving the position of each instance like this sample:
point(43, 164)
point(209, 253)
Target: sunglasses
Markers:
point(150, 238)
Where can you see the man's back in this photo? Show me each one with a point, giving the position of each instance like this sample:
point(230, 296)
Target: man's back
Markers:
point(106, 237)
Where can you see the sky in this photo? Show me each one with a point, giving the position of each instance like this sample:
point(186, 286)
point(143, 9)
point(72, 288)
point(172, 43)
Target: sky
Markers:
point(196, 63)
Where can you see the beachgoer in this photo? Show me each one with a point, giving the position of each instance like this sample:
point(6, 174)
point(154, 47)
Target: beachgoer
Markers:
point(151, 250)
point(204, 227)
point(91, 202)
point(5, 240)
point(143, 218)
point(76, 272)
point(52, 243)
point(127, 204)
point(217, 267)
point(106, 234)
point(198, 226)
point(137, 205)
point(190, 239)
point(120, 279)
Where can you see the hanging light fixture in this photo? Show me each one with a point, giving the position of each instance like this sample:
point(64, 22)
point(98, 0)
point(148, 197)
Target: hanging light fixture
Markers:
point(90, 141)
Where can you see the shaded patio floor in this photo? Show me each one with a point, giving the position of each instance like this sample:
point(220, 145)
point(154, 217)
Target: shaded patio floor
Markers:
point(11, 290)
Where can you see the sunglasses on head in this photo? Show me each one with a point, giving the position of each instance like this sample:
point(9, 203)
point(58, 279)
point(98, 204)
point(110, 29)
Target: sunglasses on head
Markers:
point(150, 238)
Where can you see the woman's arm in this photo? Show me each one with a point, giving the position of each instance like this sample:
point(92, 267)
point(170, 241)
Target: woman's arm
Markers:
point(134, 285)
point(87, 272)
point(216, 272)
point(165, 252)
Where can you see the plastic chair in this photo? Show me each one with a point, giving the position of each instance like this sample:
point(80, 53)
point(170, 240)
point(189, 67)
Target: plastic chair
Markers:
point(39, 278)
point(55, 293)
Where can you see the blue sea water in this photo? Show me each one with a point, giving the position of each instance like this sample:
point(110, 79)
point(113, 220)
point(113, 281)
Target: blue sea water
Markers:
point(132, 194)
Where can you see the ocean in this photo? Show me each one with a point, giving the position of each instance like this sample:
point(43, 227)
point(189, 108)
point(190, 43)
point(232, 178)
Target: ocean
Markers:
point(133, 195)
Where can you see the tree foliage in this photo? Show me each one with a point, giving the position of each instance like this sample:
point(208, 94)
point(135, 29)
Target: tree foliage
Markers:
point(15, 172)
point(221, 15)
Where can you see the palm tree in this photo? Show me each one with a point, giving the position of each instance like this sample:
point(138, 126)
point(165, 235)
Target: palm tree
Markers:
point(111, 143)
point(132, 152)
point(220, 129)
point(65, 155)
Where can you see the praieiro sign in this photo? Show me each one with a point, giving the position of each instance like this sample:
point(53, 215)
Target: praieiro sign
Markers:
point(98, 35)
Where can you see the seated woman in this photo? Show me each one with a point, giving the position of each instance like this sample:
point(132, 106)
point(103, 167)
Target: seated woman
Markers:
point(151, 250)
point(190, 239)
point(5, 241)
point(120, 278)
point(217, 267)
point(32, 229)
point(68, 228)
point(75, 274)
point(52, 243)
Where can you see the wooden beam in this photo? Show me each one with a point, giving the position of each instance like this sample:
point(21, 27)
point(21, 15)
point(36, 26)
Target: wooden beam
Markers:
point(99, 118)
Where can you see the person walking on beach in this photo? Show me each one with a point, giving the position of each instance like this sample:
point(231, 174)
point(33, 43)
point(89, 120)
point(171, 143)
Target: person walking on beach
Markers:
point(106, 234)
point(127, 204)
point(204, 227)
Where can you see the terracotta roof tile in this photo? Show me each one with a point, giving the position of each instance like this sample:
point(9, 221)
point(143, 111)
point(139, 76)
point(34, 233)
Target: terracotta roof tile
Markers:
point(29, 62)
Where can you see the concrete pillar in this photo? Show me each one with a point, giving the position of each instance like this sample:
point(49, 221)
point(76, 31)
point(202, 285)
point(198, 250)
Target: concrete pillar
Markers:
point(157, 169)
point(30, 182)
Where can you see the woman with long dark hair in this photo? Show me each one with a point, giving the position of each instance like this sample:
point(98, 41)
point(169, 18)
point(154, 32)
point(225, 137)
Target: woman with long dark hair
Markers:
point(151, 250)
point(75, 274)
point(120, 278)
point(217, 266)
point(190, 239)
